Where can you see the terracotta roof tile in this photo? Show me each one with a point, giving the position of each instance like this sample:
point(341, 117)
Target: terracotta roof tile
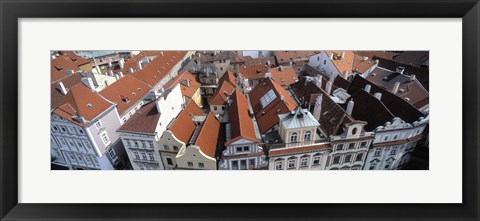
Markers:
point(55, 94)
point(240, 120)
point(332, 116)
point(145, 120)
point(183, 126)
point(253, 71)
point(188, 83)
point(284, 57)
point(284, 75)
point(208, 136)
point(154, 71)
point(125, 92)
point(220, 95)
point(65, 62)
point(228, 77)
point(267, 116)
point(81, 101)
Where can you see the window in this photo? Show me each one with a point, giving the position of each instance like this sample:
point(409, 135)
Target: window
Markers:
point(339, 147)
point(201, 165)
point(55, 128)
point(136, 143)
point(148, 167)
point(215, 108)
point(354, 131)
point(389, 163)
point(63, 129)
point(104, 137)
point(386, 138)
point(307, 136)
point(141, 167)
point(137, 156)
point(359, 157)
point(127, 142)
point(150, 144)
point(279, 165)
point(395, 137)
point(251, 162)
point(111, 152)
point(372, 166)
point(348, 158)
point(175, 148)
point(351, 146)
point(336, 160)
point(144, 145)
point(243, 149)
point(243, 164)
point(324, 62)
point(190, 164)
point(151, 156)
point(144, 156)
point(80, 131)
point(377, 153)
point(234, 165)
point(291, 164)
point(293, 137)
point(316, 160)
point(71, 129)
point(267, 98)
point(304, 162)
point(393, 151)
point(166, 147)
point(98, 124)
point(169, 161)
point(124, 119)
point(223, 108)
point(363, 144)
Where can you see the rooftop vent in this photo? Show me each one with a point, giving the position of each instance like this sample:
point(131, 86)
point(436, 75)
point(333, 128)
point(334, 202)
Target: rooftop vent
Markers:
point(89, 105)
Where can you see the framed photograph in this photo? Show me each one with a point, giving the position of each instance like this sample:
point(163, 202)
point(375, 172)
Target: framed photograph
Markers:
point(310, 110)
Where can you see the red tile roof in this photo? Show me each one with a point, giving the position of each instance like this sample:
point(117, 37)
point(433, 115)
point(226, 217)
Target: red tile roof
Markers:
point(267, 117)
point(284, 75)
point(183, 126)
point(66, 61)
point(342, 65)
point(154, 71)
point(145, 120)
point(253, 71)
point(188, 89)
point(241, 123)
point(81, 101)
point(220, 95)
point(125, 92)
point(208, 136)
point(55, 94)
point(284, 57)
point(228, 77)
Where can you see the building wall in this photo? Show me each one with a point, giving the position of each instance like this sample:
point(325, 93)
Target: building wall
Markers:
point(323, 63)
point(217, 109)
point(107, 124)
point(283, 162)
point(385, 156)
point(169, 146)
point(286, 135)
point(193, 158)
point(257, 54)
point(197, 98)
point(232, 155)
point(142, 150)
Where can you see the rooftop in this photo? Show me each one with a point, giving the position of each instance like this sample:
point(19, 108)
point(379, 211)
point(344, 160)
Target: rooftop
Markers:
point(241, 122)
point(145, 120)
point(183, 126)
point(125, 92)
point(208, 136)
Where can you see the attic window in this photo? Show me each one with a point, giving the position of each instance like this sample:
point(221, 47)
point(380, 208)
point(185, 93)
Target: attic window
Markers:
point(139, 89)
point(407, 99)
point(89, 105)
point(134, 94)
point(267, 98)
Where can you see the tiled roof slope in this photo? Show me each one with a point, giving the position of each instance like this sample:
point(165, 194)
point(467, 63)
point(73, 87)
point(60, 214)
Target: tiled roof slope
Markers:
point(240, 120)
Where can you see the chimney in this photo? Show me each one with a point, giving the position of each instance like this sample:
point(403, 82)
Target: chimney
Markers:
point(69, 72)
point(377, 61)
point(400, 69)
point(139, 63)
point(109, 64)
point(367, 88)
point(280, 68)
point(318, 107)
point(120, 74)
point(268, 63)
point(282, 97)
point(395, 87)
point(96, 66)
point(161, 53)
point(342, 55)
point(117, 76)
point(130, 70)
point(88, 82)
point(121, 63)
point(412, 77)
point(331, 55)
point(110, 73)
point(318, 81)
point(378, 96)
point(350, 107)
point(62, 88)
point(333, 76)
point(329, 87)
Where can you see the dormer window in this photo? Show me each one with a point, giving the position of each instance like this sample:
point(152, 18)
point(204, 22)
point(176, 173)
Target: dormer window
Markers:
point(354, 131)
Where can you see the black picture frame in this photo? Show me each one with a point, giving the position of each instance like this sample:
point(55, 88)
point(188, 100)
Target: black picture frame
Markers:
point(11, 11)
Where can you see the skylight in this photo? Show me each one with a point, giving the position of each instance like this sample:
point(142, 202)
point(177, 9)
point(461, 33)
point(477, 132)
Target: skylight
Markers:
point(267, 98)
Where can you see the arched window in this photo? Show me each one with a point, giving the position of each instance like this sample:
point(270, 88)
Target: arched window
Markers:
point(354, 131)
point(293, 137)
point(307, 136)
